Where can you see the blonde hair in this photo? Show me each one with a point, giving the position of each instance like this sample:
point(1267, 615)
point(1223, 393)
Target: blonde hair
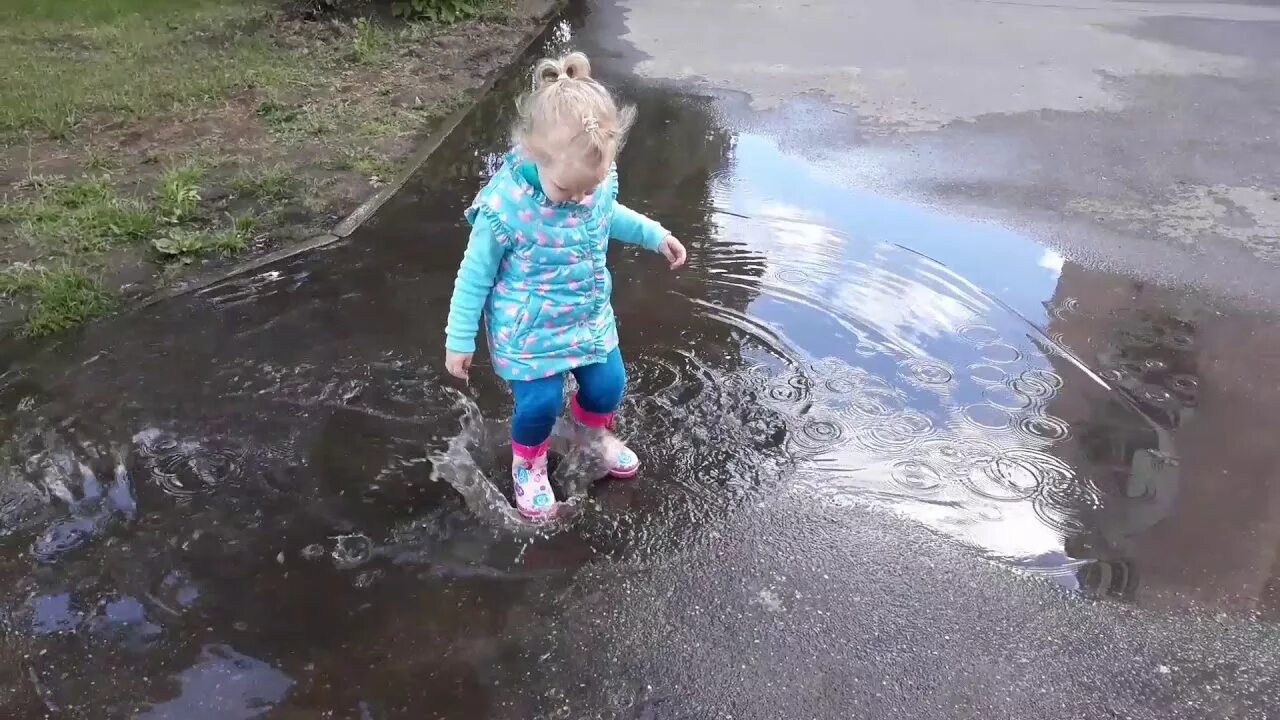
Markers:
point(570, 116)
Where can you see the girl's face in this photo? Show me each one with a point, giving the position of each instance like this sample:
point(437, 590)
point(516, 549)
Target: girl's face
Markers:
point(569, 182)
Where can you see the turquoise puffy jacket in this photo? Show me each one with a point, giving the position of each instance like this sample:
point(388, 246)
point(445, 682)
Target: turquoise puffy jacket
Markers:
point(537, 271)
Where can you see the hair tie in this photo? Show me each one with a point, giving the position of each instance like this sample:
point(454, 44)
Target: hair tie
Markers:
point(590, 123)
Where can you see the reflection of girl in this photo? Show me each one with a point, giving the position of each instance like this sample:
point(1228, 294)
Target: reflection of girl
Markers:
point(535, 266)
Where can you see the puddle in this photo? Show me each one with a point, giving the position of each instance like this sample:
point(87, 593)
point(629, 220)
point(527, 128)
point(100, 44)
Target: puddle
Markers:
point(276, 464)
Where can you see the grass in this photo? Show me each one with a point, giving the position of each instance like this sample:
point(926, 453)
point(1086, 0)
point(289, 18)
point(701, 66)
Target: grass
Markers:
point(178, 193)
point(60, 298)
point(372, 42)
point(67, 60)
point(274, 185)
point(99, 89)
point(82, 216)
point(366, 161)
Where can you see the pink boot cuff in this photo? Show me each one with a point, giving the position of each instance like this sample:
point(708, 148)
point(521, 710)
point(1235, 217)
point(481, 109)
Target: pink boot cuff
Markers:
point(590, 419)
point(530, 452)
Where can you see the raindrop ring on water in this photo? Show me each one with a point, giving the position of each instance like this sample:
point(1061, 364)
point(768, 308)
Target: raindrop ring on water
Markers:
point(1045, 428)
point(985, 416)
point(1038, 384)
point(194, 470)
point(979, 334)
point(1005, 397)
point(874, 403)
point(987, 374)
point(1000, 353)
point(926, 372)
point(1015, 474)
point(792, 276)
point(816, 434)
point(915, 476)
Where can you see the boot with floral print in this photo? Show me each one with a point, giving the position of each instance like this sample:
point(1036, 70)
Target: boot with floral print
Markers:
point(534, 497)
point(597, 428)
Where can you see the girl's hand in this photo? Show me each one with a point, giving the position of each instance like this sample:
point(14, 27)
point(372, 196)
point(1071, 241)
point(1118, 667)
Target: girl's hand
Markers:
point(673, 250)
point(458, 364)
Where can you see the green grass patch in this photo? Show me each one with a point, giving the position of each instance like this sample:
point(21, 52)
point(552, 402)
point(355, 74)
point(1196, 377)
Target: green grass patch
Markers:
point(372, 42)
point(58, 299)
point(82, 216)
point(177, 195)
point(367, 162)
point(272, 185)
point(65, 60)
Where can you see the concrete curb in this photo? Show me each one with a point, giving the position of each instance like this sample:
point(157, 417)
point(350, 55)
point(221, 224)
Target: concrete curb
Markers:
point(352, 222)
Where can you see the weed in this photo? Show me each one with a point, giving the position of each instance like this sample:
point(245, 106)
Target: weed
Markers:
point(97, 162)
point(367, 162)
point(82, 193)
point(274, 185)
point(227, 242)
point(438, 11)
point(245, 225)
point(184, 246)
point(179, 244)
point(178, 194)
point(371, 42)
point(60, 299)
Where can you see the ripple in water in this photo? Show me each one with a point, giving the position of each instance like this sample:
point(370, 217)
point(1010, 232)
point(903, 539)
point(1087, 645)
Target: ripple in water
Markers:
point(1184, 384)
point(876, 403)
point(1000, 353)
point(1015, 474)
point(793, 389)
point(915, 476)
point(792, 276)
point(1039, 385)
point(1002, 396)
point(1045, 428)
point(979, 334)
point(926, 372)
point(818, 433)
point(987, 374)
point(984, 416)
point(1063, 499)
point(188, 469)
point(897, 432)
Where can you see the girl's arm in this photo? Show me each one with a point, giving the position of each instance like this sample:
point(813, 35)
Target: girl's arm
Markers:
point(471, 290)
point(633, 228)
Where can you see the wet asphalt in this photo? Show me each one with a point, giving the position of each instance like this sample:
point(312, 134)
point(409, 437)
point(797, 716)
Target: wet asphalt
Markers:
point(962, 409)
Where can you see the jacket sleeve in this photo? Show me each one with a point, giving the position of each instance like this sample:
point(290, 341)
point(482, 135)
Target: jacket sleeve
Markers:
point(633, 228)
point(471, 290)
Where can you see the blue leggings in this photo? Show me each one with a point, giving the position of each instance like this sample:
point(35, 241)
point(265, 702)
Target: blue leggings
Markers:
point(540, 402)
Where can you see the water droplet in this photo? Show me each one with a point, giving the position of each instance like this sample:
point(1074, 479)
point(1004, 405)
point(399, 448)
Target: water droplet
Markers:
point(1184, 384)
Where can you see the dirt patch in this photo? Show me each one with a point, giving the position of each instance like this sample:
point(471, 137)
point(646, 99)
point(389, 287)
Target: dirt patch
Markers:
point(135, 199)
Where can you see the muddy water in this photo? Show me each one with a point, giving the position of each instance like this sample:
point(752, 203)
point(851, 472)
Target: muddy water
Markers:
point(266, 496)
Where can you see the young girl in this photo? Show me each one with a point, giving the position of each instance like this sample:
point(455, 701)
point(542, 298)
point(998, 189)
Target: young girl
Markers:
point(535, 266)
